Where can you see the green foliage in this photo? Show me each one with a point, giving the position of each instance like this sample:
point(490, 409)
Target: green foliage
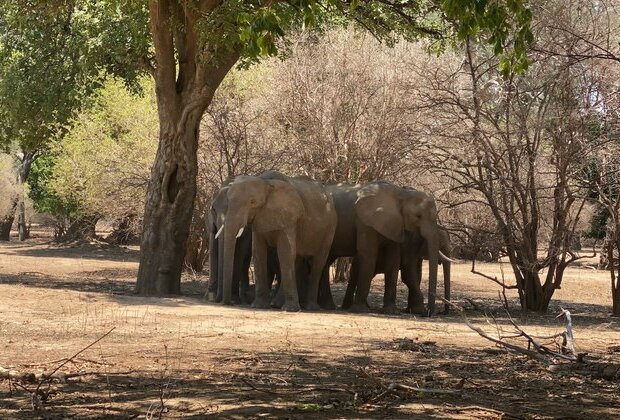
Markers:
point(504, 24)
point(103, 162)
point(54, 55)
point(8, 187)
point(45, 200)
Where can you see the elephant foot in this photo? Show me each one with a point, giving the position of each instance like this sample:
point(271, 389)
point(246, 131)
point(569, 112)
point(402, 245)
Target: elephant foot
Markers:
point(329, 305)
point(291, 307)
point(261, 303)
point(390, 310)
point(312, 306)
point(416, 310)
point(359, 308)
point(277, 301)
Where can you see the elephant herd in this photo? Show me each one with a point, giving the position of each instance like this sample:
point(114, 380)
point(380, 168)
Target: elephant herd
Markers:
point(295, 228)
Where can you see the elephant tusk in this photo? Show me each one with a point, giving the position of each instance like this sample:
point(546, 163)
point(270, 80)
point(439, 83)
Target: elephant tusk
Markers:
point(219, 232)
point(445, 257)
point(240, 231)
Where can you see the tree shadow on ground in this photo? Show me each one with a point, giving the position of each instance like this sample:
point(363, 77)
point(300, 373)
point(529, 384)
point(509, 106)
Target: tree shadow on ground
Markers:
point(79, 251)
point(119, 284)
point(290, 383)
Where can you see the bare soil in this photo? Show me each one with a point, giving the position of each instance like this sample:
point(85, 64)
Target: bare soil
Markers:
point(182, 356)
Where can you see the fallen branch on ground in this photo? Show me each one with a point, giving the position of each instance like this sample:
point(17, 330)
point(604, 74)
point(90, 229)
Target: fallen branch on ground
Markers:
point(393, 387)
point(38, 395)
point(542, 353)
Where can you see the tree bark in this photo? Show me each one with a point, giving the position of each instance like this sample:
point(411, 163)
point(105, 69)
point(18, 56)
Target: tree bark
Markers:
point(183, 95)
point(82, 229)
point(28, 159)
point(6, 223)
point(614, 267)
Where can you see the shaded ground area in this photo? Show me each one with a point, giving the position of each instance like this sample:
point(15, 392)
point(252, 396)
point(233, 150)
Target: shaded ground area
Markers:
point(185, 357)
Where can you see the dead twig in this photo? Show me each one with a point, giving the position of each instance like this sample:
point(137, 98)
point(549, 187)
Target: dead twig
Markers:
point(37, 395)
point(393, 387)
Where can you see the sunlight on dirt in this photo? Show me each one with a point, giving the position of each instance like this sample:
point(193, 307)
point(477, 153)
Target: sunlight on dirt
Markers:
point(181, 356)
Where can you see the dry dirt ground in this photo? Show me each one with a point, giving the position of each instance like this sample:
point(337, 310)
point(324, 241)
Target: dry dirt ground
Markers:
point(182, 356)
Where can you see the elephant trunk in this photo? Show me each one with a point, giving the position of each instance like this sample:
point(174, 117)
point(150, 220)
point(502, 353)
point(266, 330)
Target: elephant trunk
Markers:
point(430, 234)
point(232, 228)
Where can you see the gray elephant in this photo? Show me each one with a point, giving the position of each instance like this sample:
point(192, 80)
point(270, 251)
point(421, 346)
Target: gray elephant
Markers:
point(240, 288)
point(243, 253)
point(384, 213)
point(412, 251)
point(294, 215)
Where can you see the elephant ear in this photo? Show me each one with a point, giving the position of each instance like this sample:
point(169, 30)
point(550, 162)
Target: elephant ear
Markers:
point(379, 207)
point(282, 209)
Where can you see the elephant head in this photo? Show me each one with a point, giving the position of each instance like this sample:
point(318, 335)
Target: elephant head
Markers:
point(268, 204)
point(391, 210)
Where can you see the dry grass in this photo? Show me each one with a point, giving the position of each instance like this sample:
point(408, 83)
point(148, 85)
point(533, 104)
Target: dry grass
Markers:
point(182, 356)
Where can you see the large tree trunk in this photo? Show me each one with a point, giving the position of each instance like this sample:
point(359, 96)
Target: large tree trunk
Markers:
point(535, 297)
point(169, 208)
point(186, 77)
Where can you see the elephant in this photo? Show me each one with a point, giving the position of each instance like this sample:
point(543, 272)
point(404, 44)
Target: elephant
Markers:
point(384, 213)
point(241, 291)
point(243, 253)
point(412, 251)
point(294, 215)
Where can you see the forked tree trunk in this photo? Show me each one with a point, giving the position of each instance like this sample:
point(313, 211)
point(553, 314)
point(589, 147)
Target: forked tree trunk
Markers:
point(186, 77)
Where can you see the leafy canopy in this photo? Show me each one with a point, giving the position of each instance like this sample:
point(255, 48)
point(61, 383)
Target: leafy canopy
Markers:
point(53, 55)
point(505, 25)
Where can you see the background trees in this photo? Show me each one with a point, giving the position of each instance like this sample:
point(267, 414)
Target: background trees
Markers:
point(517, 160)
point(103, 162)
point(53, 56)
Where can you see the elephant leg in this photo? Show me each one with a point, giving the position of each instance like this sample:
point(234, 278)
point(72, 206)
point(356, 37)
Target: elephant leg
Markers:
point(412, 276)
point(367, 262)
point(213, 266)
point(261, 299)
point(278, 297)
point(391, 262)
point(286, 256)
point(351, 284)
point(301, 276)
point(273, 268)
point(237, 267)
point(317, 268)
point(326, 300)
